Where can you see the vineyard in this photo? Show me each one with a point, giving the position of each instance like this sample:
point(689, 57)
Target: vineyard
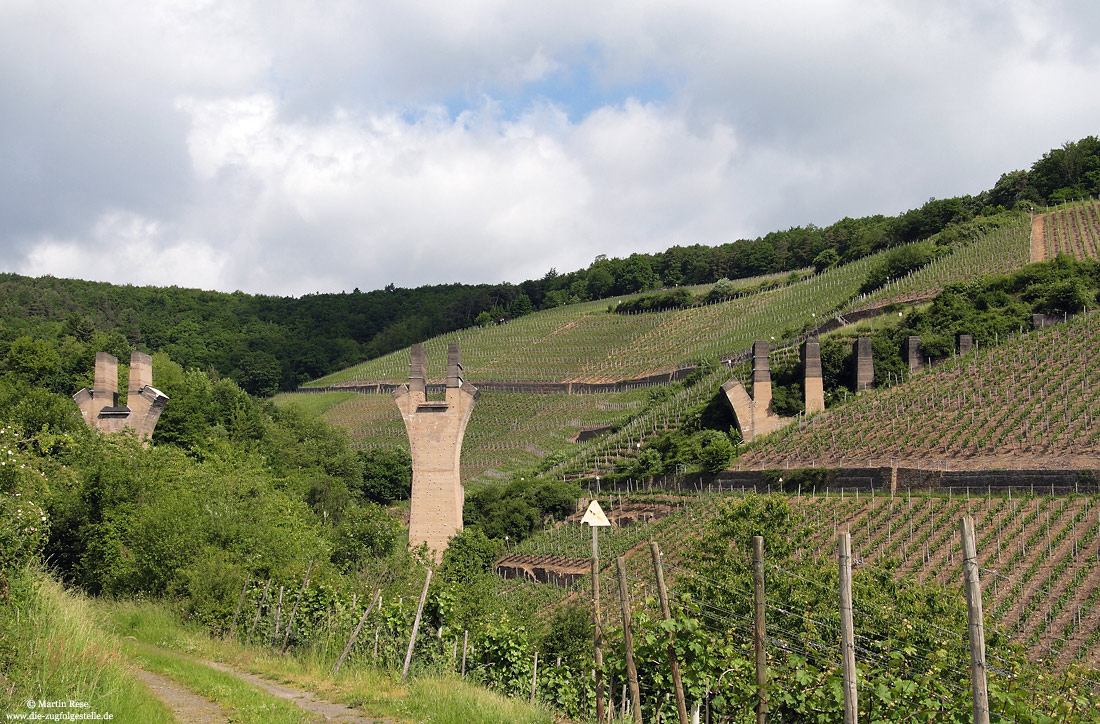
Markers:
point(1040, 555)
point(1073, 229)
point(998, 250)
point(586, 343)
point(1040, 570)
point(1033, 396)
point(508, 431)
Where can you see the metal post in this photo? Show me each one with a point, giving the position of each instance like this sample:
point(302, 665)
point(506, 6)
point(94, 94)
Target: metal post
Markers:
point(597, 634)
point(465, 641)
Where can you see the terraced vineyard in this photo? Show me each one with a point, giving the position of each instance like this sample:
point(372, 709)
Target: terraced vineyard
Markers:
point(1034, 396)
point(508, 431)
point(1040, 555)
point(586, 343)
point(1073, 229)
point(1000, 250)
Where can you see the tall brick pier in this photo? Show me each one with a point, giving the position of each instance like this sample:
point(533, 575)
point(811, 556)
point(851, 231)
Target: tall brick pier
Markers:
point(144, 403)
point(435, 430)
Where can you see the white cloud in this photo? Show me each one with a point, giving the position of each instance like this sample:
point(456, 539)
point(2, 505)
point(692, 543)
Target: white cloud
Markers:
point(283, 147)
point(128, 249)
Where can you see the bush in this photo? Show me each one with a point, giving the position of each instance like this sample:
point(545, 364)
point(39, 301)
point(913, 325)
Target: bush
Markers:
point(715, 451)
point(387, 475)
point(470, 554)
point(365, 532)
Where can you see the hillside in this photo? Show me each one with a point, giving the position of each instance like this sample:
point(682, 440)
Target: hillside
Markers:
point(1040, 554)
point(588, 344)
point(267, 344)
point(1072, 229)
point(1030, 401)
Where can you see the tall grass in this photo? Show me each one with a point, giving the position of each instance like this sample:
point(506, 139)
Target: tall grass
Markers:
point(431, 696)
point(53, 647)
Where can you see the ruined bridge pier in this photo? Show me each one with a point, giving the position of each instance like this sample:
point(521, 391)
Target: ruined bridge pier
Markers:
point(436, 430)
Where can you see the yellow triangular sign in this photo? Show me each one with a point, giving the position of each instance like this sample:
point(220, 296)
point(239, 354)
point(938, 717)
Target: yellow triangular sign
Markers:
point(594, 515)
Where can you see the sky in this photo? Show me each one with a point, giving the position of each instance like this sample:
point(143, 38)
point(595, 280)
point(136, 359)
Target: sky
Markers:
point(297, 147)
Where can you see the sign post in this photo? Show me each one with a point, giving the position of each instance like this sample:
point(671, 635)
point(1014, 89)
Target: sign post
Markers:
point(594, 518)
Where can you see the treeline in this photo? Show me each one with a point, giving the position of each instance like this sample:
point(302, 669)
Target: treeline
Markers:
point(268, 343)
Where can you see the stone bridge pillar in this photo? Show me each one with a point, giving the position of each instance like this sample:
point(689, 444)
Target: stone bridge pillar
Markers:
point(865, 365)
point(144, 403)
point(754, 413)
point(435, 430)
point(911, 353)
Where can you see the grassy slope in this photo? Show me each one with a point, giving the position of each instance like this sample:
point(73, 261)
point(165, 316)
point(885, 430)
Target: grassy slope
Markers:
point(53, 647)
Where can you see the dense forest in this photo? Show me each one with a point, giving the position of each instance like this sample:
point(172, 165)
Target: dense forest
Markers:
point(268, 343)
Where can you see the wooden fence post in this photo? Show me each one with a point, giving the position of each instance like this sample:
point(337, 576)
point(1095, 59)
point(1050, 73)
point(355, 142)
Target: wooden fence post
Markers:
point(628, 642)
point(847, 631)
point(240, 602)
point(416, 626)
point(758, 628)
point(662, 594)
point(293, 611)
point(975, 626)
point(355, 633)
point(534, 676)
point(465, 640)
point(278, 618)
point(263, 602)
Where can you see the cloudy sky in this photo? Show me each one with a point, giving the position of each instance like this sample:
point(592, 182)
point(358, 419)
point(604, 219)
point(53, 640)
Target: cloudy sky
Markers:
point(292, 147)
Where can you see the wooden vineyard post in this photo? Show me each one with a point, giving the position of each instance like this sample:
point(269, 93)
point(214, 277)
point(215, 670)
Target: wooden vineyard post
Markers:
point(628, 642)
point(294, 610)
point(758, 628)
point(847, 631)
point(263, 602)
point(975, 626)
point(240, 602)
point(465, 641)
point(278, 618)
point(662, 594)
point(534, 676)
point(355, 633)
point(416, 626)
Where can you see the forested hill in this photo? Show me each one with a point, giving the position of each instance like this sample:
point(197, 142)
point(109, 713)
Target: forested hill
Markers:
point(271, 343)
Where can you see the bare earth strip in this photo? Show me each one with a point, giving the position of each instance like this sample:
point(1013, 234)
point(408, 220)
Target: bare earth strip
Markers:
point(1038, 238)
point(189, 707)
point(328, 710)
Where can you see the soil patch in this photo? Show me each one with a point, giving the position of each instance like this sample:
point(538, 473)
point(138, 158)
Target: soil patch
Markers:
point(1038, 238)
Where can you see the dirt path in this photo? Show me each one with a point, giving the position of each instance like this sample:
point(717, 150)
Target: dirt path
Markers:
point(328, 710)
point(188, 707)
point(1038, 238)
